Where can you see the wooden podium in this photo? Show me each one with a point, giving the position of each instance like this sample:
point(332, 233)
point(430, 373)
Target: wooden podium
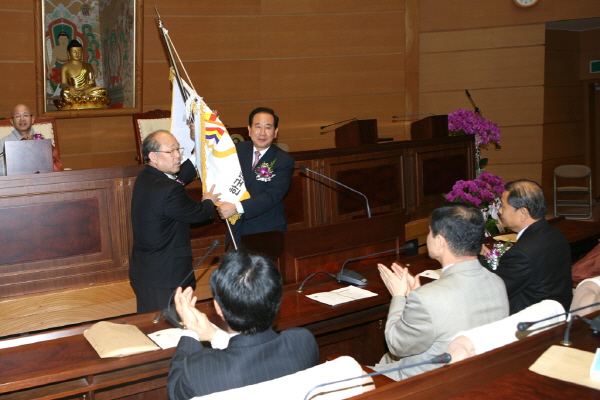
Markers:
point(356, 133)
point(302, 252)
point(434, 126)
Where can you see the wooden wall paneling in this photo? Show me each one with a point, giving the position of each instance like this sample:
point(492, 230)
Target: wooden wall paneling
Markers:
point(71, 306)
point(564, 140)
point(436, 169)
point(457, 39)
point(520, 144)
point(506, 106)
point(18, 85)
point(208, 7)
point(332, 6)
point(465, 14)
point(562, 68)
point(411, 62)
point(343, 33)
point(489, 68)
point(563, 104)
point(589, 51)
point(360, 75)
point(379, 176)
point(523, 170)
point(300, 119)
point(13, 48)
point(563, 41)
point(203, 36)
point(563, 9)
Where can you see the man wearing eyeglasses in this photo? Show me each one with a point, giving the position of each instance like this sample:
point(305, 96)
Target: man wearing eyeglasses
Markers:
point(161, 214)
point(22, 120)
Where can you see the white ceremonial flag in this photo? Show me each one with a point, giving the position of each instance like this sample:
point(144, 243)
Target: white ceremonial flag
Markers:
point(217, 155)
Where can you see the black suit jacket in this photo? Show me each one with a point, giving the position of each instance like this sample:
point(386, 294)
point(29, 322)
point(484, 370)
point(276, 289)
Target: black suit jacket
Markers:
point(161, 213)
point(248, 359)
point(537, 267)
point(265, 210)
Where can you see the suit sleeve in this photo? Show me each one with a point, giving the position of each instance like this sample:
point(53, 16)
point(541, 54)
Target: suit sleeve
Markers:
point(181, 207)
point(187, 172)
point(409, 329)
point(276, 189)
point(515, 270)
point(179, 386)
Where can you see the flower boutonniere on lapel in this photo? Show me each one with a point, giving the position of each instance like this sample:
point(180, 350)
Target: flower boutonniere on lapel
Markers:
point(264, 172)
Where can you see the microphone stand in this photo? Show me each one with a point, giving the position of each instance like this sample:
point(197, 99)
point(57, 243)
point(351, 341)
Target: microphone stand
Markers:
point(169, 313)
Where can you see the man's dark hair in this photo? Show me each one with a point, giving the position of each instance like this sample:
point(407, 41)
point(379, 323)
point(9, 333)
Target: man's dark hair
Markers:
point(149, 145)
point(73, 43)
point(263, 110)
point(462, 226)
point(248, 288)
point(527, 194)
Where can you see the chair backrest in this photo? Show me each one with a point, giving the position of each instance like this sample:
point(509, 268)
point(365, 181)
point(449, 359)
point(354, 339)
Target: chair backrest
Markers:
point(148, 122)
point(587, 292)
point(572, 171)
point(496, 334)
point(44, 125)
point(297, 385)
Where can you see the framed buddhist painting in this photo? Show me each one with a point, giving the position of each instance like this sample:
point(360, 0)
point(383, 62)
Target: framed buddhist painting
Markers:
point(88, 57)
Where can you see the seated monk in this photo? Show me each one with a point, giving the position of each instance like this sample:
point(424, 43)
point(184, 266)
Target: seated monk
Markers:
point(22, 120)
point(79, 90)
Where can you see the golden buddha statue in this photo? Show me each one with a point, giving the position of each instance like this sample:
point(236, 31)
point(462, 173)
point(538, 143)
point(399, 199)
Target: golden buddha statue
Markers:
point(79, 90)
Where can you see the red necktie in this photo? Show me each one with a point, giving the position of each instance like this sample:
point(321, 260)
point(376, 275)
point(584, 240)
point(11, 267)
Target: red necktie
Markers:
point(256, 158)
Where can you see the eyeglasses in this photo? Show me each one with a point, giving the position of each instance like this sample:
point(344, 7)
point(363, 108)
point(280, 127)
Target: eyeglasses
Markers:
point(22, 116)
point(180, 151)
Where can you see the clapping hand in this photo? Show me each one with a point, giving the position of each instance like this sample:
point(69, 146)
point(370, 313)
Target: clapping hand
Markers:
point(398, 280)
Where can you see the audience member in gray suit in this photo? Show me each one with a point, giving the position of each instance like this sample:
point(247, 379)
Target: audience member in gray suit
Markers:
point(247, 292)
point(423, 319)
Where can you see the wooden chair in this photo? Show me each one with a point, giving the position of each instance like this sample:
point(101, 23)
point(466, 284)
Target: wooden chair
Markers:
point(146, 123)
point(44, 125)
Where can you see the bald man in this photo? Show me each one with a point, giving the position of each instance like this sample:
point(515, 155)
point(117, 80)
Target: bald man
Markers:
point(161, 214)
point(22, 120)
point(538, 266)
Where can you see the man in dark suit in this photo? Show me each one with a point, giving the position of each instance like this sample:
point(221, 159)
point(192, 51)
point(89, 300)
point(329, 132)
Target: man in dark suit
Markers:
point(161, 214)
point(267, 174)
point(538, 266)
point(247, 291)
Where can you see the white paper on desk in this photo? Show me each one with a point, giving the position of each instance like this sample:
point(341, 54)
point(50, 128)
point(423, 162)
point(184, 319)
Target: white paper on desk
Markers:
point(342, 295)
point(167, 338)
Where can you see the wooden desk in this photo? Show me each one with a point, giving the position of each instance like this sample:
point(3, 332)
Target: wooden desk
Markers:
point(499, 374)
point(62, 363)
point(582, 235)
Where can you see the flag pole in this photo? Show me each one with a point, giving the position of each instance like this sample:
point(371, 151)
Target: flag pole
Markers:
point(165, 33)
point(185, 96)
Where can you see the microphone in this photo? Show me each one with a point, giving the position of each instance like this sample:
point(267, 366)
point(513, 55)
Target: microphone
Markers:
point(335, 123)
point(594, 323)
point(441, 359)
point(523, 326)
point(354, 278)
point(169, 313)
point(351, 277)
point(303, 168)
